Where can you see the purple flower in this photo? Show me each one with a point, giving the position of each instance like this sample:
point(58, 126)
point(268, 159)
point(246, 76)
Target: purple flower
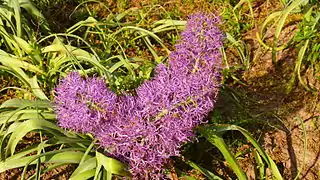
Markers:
point(147, 129)
point(81, 105)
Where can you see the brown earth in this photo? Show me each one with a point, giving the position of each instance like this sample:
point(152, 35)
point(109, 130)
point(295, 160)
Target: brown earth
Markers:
point(294, 111)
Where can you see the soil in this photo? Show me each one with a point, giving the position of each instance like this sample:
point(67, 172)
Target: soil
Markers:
point(60, 173)
point(6, 80)
point(285, 117)
point(295, 143)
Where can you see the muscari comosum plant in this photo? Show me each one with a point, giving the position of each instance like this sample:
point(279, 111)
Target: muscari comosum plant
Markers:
point(142, 130)
point(148, 127)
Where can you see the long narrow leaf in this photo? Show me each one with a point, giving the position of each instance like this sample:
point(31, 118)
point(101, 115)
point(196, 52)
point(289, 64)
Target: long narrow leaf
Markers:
point(204, 171)
point(214, 138)
point(111, 165)
point(27, 127)
point(221, 128)
point(85, 170)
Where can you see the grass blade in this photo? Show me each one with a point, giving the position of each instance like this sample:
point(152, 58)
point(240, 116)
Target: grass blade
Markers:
point(111, 165)
point(212, 136)
point(221, 128)
point(205, 172)
point(28, 126)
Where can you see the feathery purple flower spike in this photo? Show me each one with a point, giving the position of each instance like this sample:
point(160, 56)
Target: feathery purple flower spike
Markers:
point(81, 104)
point(147, 129)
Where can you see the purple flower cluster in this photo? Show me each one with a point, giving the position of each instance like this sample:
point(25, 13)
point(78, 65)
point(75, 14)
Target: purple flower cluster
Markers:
point(81, 105)
point(145, 130)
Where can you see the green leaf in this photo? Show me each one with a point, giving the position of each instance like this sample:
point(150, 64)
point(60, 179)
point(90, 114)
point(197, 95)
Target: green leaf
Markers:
point(36, 89)
point(25, 46)
point(168, 24)
point(188, 178)
point(85, 170)
point(35, 13)
point(15, 62)
point(26, 114)
point(259, 165)
point(84, 175)
point(15, 163)
point(145, 32)
point(16, 65)
point(66, 49)
point(245, 60)
point(16, 7)
point(16, 103)
point(112, 165)
point(28, 126)
point(285, 13)
point(67, 156)
point(90, 22)
point(204, 171)
point(20, 159)
point(211, 131)
point(27, 151)
point(46, 169)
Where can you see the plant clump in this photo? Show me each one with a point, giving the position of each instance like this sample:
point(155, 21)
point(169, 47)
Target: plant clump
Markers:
point(146, 129)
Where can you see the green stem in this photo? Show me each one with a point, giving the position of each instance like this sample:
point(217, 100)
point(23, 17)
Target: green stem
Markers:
point(223, 148)
point(87, 152)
